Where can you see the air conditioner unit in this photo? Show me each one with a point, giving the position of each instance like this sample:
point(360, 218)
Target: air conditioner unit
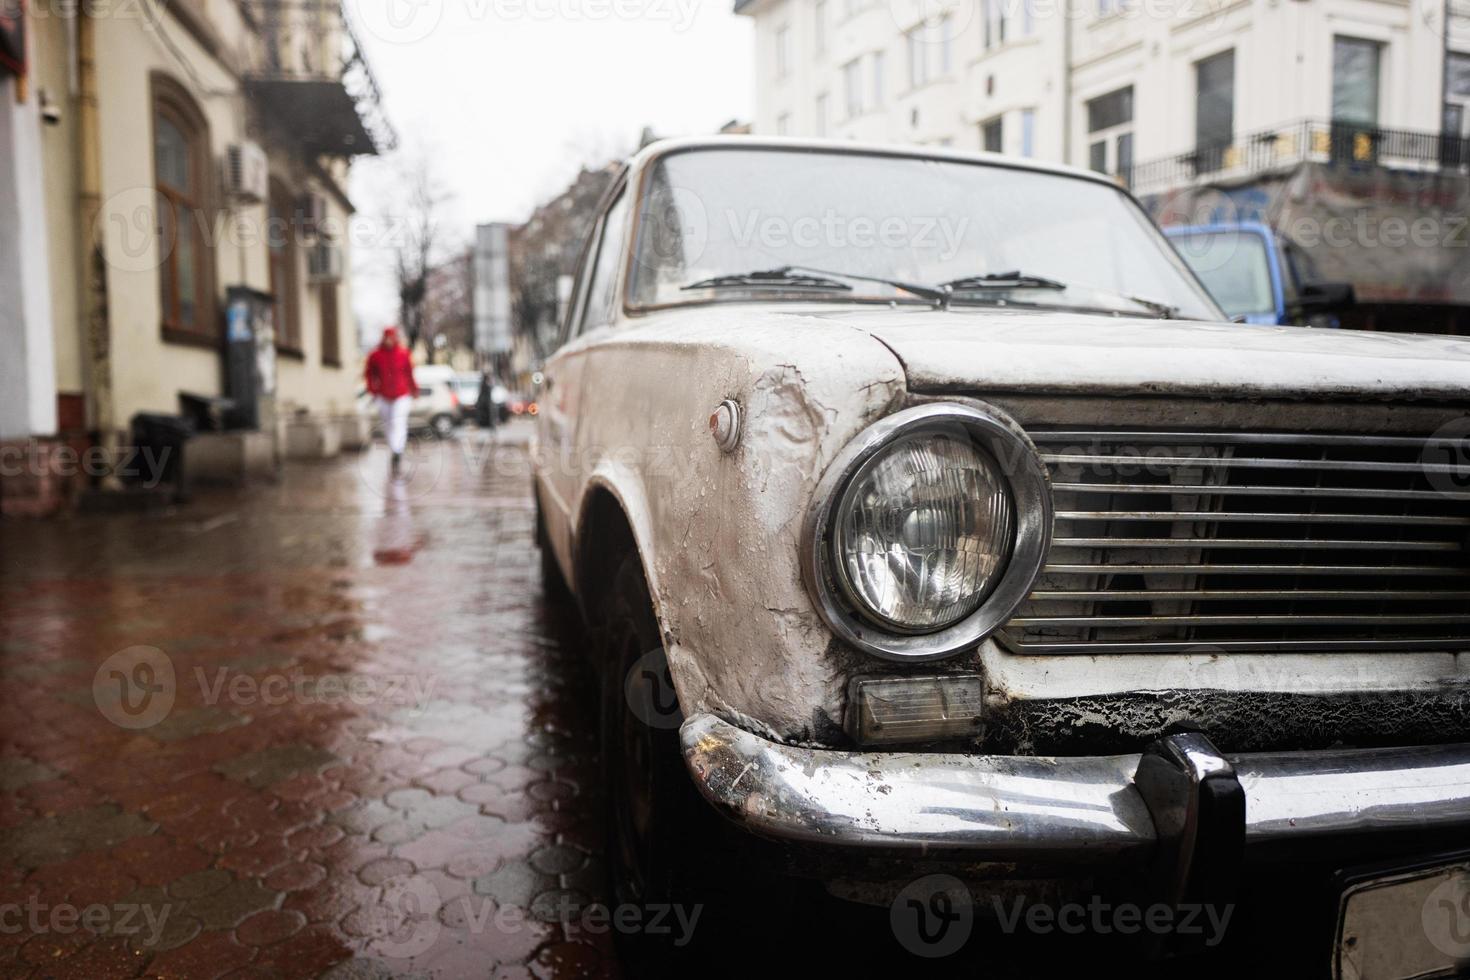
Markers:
point(313, 215)
point(247, 172)
point(324, 263)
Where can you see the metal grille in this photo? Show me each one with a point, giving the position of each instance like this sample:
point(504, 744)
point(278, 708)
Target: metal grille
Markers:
point(1166, 542)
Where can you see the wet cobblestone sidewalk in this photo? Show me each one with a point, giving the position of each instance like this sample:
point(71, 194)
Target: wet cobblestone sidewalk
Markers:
point(324, 728)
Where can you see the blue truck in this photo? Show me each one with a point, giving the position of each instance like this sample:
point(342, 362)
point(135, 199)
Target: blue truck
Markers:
point(1258, 277)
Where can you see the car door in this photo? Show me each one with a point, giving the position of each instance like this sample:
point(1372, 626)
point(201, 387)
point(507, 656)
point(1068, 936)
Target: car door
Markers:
point(591, 314)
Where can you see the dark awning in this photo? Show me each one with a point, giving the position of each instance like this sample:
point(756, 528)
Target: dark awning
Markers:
point(319, 112)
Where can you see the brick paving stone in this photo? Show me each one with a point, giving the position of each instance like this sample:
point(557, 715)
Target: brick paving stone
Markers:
point(209, 955)
point(269, 926)
point(295, 877)
point(263, 834)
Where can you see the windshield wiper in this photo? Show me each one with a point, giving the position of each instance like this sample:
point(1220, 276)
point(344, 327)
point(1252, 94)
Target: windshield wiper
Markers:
point(803, 277)
point(782, 278)
point(1021, 280)
point(1002, 280)
point(934, 294)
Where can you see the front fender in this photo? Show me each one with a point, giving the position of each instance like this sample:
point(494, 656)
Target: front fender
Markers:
point(719, 533)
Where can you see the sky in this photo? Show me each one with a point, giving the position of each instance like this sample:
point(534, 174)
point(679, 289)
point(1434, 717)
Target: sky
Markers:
point(507, 99)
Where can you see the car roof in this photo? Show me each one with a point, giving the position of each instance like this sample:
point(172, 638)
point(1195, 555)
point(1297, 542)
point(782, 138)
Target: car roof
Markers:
point(662, 148)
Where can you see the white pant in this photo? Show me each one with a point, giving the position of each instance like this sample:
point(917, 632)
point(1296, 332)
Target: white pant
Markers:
point(395, 422)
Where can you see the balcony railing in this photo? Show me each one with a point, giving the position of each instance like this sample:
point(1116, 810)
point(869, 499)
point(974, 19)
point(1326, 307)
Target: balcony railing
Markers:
point(1337, 143)
point(315, 81)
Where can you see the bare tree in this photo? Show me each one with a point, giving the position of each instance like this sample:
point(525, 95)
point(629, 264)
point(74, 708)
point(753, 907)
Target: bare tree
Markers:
point(421, 241)
point(448, 306)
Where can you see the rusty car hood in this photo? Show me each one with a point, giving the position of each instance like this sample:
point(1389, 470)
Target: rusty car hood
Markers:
point(1053, 352)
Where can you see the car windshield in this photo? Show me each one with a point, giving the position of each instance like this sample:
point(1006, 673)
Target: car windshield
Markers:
point(711, 218)
point(1234, 267)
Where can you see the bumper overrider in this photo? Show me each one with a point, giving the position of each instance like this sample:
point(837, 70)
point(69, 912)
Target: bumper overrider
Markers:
point(1180, 808)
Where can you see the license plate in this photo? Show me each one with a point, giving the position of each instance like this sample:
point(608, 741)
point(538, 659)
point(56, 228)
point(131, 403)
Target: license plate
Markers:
point(1405, 925)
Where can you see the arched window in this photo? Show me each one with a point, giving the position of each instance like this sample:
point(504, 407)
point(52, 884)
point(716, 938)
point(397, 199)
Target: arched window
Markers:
point(181, 170)
point(285, 288)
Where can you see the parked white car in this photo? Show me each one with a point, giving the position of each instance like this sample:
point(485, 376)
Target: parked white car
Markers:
point(435, 410)
point(971, 532)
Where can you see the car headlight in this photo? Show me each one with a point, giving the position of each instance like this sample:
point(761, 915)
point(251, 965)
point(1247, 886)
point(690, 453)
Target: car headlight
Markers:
point(928, 531)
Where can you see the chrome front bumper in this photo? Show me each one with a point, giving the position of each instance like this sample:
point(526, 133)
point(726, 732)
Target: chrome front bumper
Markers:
point(1074, 810)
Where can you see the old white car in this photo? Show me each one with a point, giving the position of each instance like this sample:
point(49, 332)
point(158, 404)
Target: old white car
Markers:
point(976, 540)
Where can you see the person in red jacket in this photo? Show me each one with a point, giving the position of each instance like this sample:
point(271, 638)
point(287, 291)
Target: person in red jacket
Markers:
point(390, 380)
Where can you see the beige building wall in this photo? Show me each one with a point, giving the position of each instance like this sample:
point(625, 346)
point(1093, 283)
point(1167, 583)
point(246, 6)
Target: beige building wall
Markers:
point(51, 81)
point(149, 372)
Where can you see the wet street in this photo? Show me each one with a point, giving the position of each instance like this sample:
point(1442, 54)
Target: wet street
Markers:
point(332, 727)
point(325, 727)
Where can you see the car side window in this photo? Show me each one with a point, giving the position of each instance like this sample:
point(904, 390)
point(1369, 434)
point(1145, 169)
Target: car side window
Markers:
point(572, 326)
point(602, 296)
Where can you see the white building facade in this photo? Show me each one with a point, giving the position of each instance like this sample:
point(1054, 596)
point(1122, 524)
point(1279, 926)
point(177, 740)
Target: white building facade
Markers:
point(1111, 84)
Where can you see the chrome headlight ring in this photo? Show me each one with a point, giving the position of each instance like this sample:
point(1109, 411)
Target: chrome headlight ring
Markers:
point(1030, 489)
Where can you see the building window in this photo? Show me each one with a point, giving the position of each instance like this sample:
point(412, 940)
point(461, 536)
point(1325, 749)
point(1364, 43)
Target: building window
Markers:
point(783, 51)
point(1028, 133)
point(1355, 79)
point(995, 22)
point(992, 138)
point(783, 124)
point(186, 259)
point(1110, 134)
point(819, 27)
point(821, 110)
point(281, 249)
point(880, 66)
point(852, 79)
point(331, 327)
point(1214, 110)
point(918, 58)
point(946, 44)
point(1455, 147)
